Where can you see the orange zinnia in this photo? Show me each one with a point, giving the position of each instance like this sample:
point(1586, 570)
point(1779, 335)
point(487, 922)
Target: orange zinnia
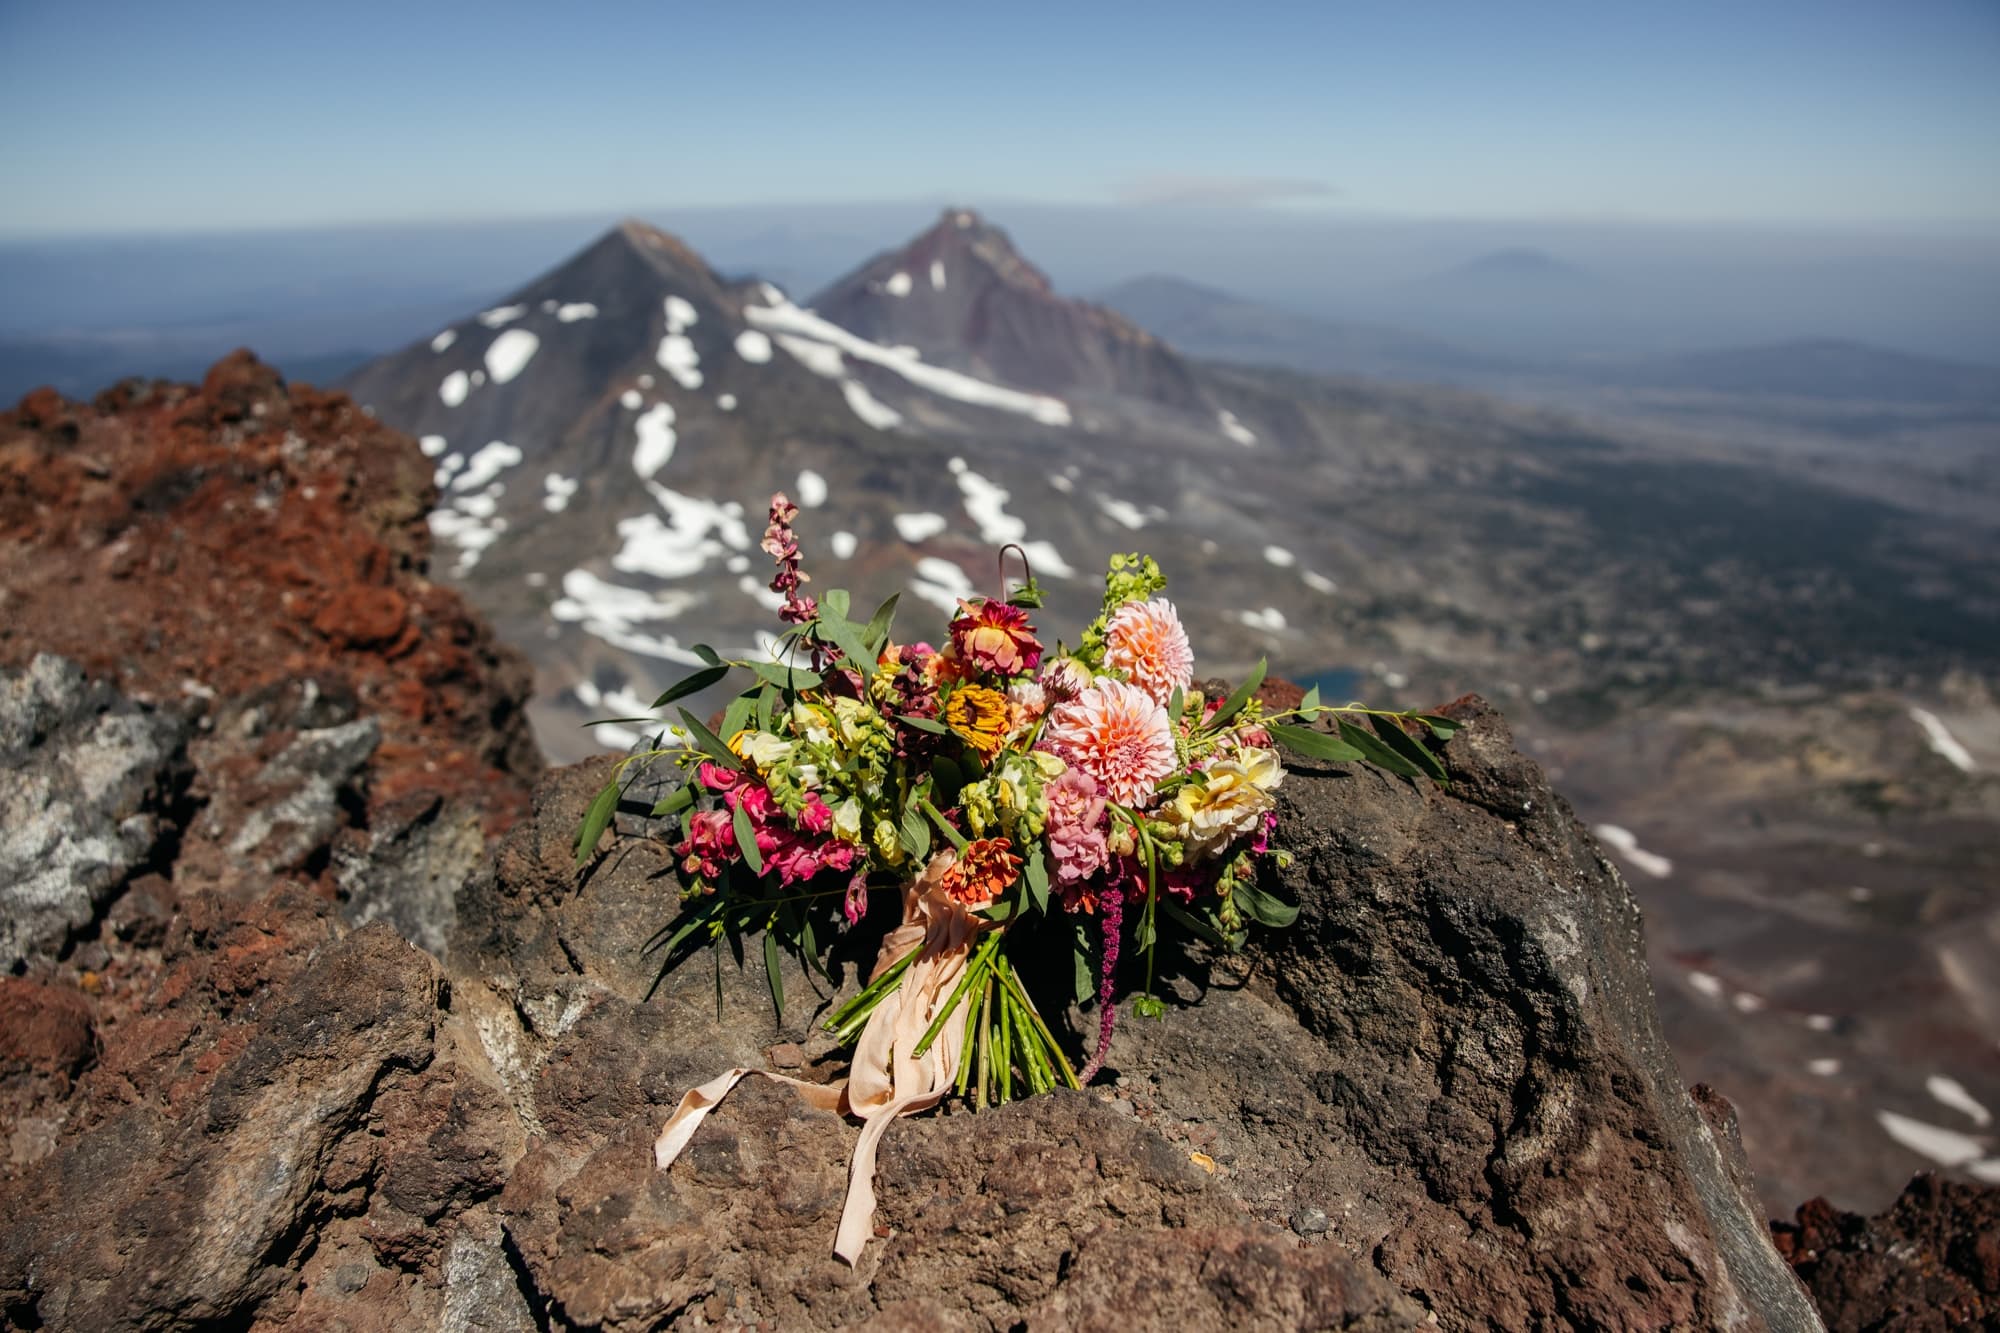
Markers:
point(984, 870)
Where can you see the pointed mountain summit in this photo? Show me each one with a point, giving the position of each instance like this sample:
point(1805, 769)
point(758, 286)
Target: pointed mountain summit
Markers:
point(964, 297)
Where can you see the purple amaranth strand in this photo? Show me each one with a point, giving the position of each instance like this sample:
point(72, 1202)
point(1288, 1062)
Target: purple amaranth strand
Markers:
point(1113, 903)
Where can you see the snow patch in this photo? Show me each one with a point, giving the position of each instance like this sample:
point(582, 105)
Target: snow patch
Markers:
point(737, 564)
point(986, 502)
point(784, 317)
point(1946, 1147)
point(571, 312)
point(1942, 740)
point(843, 545)
point(678, 358)
point(867, 406)
point(726, 402)
point(1626, 844)
point(501, 314)
point(753, 346)
point(919, 527)
point(812, 489)
point(557, 489)
point(898, 285)
point(1705, 983)
point(681, 315)
point(454, 388)
point(432, 445)
point(466, 532)
point(1820, 1022)
point(1235, 429)
point(1824, 1067)
point(1270, 619)
point(615, 614)
point(1061, 483)
point(655, 428)
point(1279, 556)
point(1121, 511)
point(682, 539)
point(819, 358)
point(937, 275)
point(510, 353)
point(941, 583)
point(631, 400)
point(444, 340)
point(485, 465)
point(1319, 583)
point(1950, 1092)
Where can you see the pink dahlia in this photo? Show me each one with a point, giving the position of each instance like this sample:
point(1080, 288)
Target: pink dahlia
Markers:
point(1145, 641)
point(1119, 735)
point(1076, 827)
point(995, 637)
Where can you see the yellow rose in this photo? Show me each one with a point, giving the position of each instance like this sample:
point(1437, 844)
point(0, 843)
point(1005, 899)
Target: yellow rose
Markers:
point(1238, 793)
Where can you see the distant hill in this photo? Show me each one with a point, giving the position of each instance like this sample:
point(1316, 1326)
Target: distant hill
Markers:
point(1828, 369)
point(1205, 322)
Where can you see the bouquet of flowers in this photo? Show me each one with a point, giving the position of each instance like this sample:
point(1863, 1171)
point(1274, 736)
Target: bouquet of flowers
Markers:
point(1008, 795)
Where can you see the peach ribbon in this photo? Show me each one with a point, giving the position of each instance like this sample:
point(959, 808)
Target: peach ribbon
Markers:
point(885, 1080)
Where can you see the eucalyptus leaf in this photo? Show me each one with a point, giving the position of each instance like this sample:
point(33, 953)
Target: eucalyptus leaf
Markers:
point(596, 820)
point(1392, 733)
point(1261, 907)
point(706, 654)
point(692, 683)
point(834, 601)
point(915, 832)
point(843, 635)
point(787, 677)
point(774, 972)
point(708, 742)
point(767, 703)
point(1310, 702)
point(1312, 744)
point(746, 840)
point(877, 632)
point(737, 715)
point(1036, 871)
point(923, 724)
point(1377, 752)
point(1176, 704)
point(675, 801)
point(1441, 727)
point(1241, 695)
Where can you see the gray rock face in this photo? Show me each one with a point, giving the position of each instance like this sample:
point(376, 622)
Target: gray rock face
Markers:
point(85, 777)
point(1439, 1100)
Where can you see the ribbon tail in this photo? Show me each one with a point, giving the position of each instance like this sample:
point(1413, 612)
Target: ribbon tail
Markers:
point(857, 1214)
point(694, 1108)
point(687, 1117)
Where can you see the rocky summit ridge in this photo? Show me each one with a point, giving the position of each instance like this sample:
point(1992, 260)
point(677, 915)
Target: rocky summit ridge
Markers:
point(238, 1095)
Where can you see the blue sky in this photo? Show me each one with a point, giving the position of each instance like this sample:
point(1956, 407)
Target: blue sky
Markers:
point(149, 116)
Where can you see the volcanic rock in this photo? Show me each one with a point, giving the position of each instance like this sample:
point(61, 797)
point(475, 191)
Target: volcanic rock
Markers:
point(1931, 1260)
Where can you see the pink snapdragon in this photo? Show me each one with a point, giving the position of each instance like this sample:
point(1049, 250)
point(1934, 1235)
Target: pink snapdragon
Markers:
point(783, 546)
point(1075, 825)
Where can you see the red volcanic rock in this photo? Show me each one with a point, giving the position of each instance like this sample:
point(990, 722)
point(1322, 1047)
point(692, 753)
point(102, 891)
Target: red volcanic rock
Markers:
point(1930, 1261)
point(43, 1029)
point(218, 541)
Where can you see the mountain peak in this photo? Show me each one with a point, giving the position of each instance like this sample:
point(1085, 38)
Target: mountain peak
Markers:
point(963, 295)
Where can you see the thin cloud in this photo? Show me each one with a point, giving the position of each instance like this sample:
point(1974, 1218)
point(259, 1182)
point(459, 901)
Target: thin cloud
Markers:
point(1227, 191)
